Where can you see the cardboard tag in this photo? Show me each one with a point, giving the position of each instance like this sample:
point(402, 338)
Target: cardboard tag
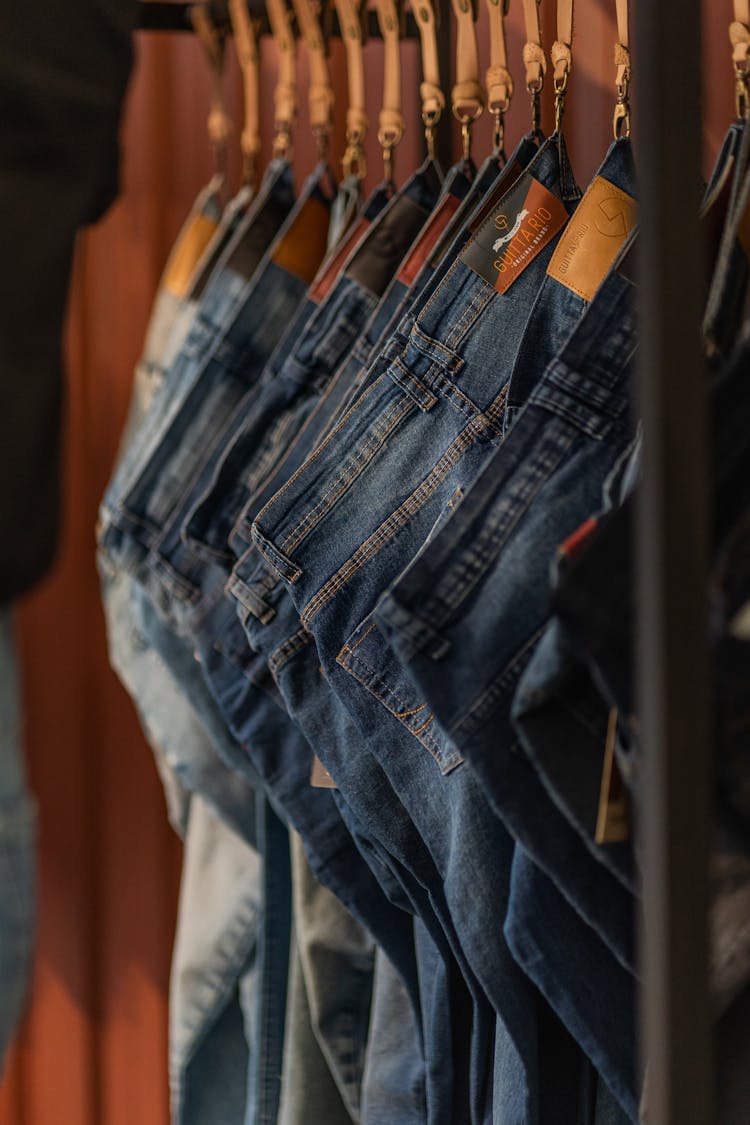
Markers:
point(303, 247)
point(526, 220)
point(425, 243)
point(187, 254)
point(320, 778)
point(330, 271)
point(613, 820)
point(596, 232)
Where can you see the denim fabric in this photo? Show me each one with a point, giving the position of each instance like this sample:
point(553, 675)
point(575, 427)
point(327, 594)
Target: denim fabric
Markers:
point(726, 296)
point(393, 1085)
point(337, 957)
point(599, 1011)
point(558, 307)
point(219, 306)
point(148, 520)
point(338, 308)
point(17, 843)
point(308, 1092)
point(365, 364)
point(438, 407)
point(467, 614)
point(213, 1033)
point(175, 306)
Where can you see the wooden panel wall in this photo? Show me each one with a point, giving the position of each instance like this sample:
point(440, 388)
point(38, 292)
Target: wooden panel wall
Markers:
point(92, 1049)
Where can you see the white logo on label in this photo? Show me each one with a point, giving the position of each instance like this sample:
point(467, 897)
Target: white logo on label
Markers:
point(511, 234)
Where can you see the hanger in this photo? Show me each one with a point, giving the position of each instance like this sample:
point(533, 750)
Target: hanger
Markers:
point(535, 62)
point(499, 79)
point(562, 57)
point(467, 95)
point(621, 121)
point(427, 17)
point(219, 122)
point(390, 119)
point(285, 94)
point(320, 96)
point(351, 21)
point(739, 37)
point(245, 32)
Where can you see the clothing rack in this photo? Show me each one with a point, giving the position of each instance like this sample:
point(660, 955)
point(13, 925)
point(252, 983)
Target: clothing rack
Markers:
point(672, 545)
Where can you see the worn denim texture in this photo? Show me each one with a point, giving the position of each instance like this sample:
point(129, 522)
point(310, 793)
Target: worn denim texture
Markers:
point(337, 312)
point(467, 614)
point(17, 847)
point(382, 472)
point(219, 306)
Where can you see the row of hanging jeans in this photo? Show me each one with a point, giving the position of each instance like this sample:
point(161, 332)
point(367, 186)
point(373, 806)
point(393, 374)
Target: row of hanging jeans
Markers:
point(361, 584)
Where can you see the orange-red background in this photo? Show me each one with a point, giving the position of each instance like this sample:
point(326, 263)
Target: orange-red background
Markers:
point(92, 1049)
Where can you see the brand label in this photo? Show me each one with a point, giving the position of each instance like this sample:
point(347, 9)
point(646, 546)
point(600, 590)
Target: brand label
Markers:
point(601, 223)
point(187, 254)
point(331, 270)
point(425, 243)
point(302, 248)
point(525, 220)
point(320, 778)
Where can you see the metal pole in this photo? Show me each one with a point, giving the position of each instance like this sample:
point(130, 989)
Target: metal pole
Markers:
point(672, 566)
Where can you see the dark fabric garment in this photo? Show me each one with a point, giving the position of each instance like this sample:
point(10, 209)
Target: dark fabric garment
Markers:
point(63, 72)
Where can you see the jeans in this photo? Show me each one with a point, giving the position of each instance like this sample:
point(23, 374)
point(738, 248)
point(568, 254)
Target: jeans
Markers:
point(341, 526)
point(17, 843)
point(338, 308)
point(465, 617)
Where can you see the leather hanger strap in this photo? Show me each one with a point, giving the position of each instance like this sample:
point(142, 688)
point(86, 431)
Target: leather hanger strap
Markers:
point(561, 55)
point(285, 95)
point(321, 91)
point(467, 94)
point(533, 56)
point(219, 122)
point(499, 78)
point(739, 36)
point(622, 47)
point(246, 43)
point(351, 30)
point(430, 91)
point(391, 120)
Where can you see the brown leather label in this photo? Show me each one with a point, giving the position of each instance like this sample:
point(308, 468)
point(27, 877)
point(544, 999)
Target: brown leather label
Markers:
point(425, 242)
point(187, 253)
point(303, 247)
point(525, 220)
point(324, 283)
point(596, 232)
point(613, 820)
point(320, 778)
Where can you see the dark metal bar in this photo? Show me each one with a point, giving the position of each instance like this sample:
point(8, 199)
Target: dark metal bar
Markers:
point(672, 567)
point(172, 15)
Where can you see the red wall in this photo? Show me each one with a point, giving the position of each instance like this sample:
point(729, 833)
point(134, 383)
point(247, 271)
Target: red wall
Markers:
point(92, 1050)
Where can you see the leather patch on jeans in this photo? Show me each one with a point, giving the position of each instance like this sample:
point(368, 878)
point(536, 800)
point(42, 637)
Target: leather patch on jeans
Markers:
point(336, 263)
point(525, 220)
point(320, 778)
point(423, 247)
point(302, 249)
point(596, 232)
point(187, 254)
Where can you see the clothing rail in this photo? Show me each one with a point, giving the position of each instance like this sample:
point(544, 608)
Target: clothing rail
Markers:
point(672, 547)
point(174, 15)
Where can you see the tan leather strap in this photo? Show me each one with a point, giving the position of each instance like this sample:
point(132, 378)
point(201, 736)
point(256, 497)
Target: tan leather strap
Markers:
point(390, 120)
point(321, 91)
point(467, 95)
point(433, 98)
point(739, 37)
point(285, 95)
point(533, 56)
point(246, 43)
point(219, 122)
point(621, 121)
point(499, 78)
point(356, 117)
point(562, 58)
